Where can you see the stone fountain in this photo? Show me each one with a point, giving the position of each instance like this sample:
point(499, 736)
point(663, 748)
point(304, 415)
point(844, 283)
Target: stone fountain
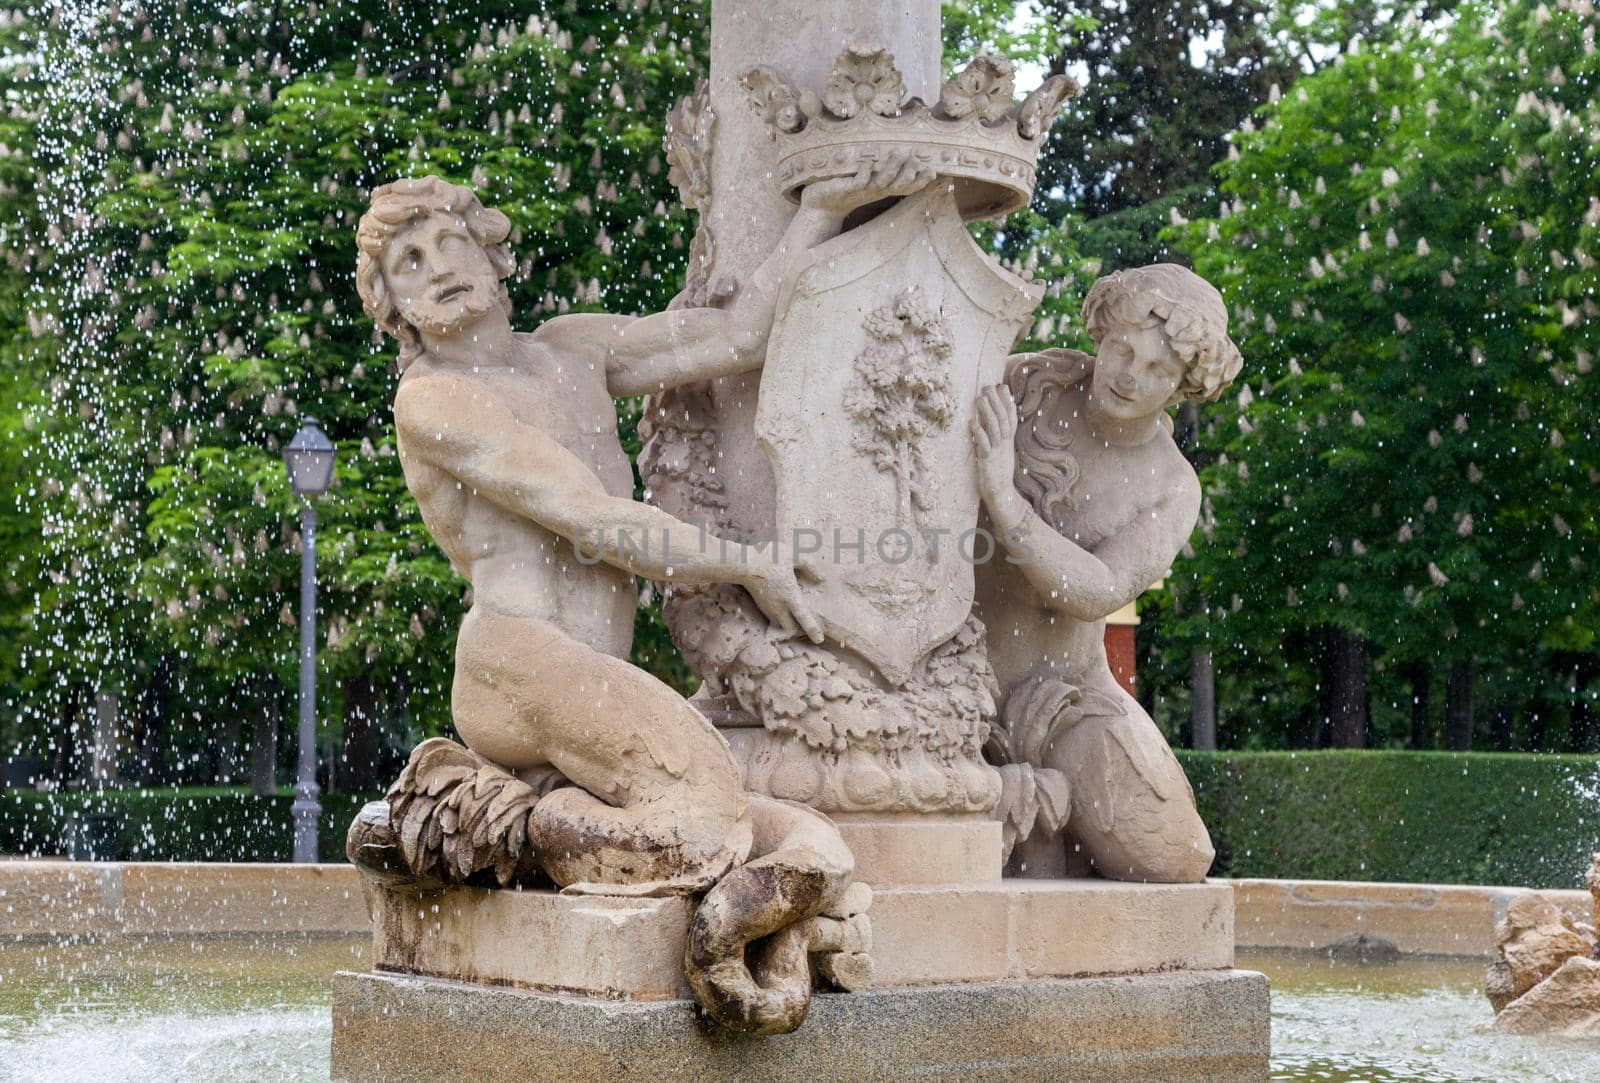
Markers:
point(887, 547)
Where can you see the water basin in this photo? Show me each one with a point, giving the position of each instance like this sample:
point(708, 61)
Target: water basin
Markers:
point(252, 1009)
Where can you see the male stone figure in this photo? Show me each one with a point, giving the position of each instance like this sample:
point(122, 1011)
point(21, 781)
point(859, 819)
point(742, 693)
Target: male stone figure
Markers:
point(509, 443)
point(1093, 500)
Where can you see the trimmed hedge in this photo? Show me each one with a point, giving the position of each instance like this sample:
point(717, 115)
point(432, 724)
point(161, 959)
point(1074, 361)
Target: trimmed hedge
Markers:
point(1425, 817)
point(1428, 817)
point(193, 824)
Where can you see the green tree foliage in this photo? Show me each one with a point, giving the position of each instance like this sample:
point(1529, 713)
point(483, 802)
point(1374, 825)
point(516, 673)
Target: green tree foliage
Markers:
point(1408, 242)
point(181, 186)
point(1313, 33)
point(1165, 84)
point(201, 169)
point(972, 27)
point(24, 371)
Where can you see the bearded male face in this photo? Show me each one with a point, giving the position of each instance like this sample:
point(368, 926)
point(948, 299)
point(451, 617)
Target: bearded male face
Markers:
point(430, 259)
point(438, 276)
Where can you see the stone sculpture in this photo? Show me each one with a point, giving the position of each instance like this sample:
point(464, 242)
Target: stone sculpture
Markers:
point(578, 765)
point(815, 394)
point(1093, 500)
point(881, 339)
point(1545, 978)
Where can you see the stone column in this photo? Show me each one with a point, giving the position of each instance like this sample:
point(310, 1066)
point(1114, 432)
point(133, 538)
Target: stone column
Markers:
point(889, 715)
point(748, 214)
point(800, 42)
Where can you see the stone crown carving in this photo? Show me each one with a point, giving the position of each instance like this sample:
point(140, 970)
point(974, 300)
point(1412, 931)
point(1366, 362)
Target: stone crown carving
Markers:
point(977, 134)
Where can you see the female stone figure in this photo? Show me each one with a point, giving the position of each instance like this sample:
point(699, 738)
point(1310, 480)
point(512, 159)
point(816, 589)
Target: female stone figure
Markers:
point(1092, 500)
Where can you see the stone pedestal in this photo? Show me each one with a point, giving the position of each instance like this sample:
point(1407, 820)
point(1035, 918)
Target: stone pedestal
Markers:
point(921, 934)
point(922, 849)
point(974, 976)
point(1149, 1029)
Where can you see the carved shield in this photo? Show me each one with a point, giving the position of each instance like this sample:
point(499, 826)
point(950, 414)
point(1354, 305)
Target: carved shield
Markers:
point(882, 340)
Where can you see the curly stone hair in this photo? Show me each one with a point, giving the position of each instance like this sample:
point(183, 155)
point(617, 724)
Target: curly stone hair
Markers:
point(1190, 311)
point(395, 207)
point(1195, 320)
point(1046, 470)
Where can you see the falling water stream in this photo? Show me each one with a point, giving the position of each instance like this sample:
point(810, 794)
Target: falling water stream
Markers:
point(257, 1009)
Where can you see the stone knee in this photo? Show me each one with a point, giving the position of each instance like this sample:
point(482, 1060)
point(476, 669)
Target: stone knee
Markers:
point(1133, 810)
point(488, 696)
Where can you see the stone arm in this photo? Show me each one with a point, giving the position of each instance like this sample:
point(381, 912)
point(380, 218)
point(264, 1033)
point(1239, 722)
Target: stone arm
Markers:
point(1091, 585)
point(646, 354)
point(457, 427)
point(1087, 585)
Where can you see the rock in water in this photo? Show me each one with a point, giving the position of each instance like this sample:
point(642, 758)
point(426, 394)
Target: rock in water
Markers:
point(1567, 1003)
point(1364, 949)
point(1532, 942)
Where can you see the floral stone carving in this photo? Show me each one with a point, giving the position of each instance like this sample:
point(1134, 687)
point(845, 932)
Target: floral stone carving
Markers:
point(975, 133)
point(822, 727)
point(984, 89)
point(901, 394)
point(691, 129)
point(864, 78)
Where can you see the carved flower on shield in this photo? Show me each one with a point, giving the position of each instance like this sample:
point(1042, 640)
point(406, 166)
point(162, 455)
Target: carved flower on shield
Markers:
point(864, 76)
point(773, 100)
point(984, 87)
point(1039, 109)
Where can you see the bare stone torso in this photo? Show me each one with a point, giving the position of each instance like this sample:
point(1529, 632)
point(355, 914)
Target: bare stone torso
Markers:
point(1117, 485)
point(516, 566)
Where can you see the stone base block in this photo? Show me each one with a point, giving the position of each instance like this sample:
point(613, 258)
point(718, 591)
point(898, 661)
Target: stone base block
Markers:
point(923, 850)
point(1180, 1027)
point(595, 945)
point(633, 948)
point(1048, 929)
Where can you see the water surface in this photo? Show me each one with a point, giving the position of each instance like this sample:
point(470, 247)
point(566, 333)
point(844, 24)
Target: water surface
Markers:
point(165, 1011)
point(170, 1010)
point(1417, 1021)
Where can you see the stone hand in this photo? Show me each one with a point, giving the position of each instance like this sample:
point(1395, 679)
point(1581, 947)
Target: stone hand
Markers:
point(899, 174)
point(994, 433)
point(776, 591)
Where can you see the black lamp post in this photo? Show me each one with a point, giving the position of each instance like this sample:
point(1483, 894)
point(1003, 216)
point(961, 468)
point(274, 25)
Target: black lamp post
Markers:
point(309, 459)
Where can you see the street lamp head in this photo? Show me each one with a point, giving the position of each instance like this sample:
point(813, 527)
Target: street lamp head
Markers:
point(309, 458)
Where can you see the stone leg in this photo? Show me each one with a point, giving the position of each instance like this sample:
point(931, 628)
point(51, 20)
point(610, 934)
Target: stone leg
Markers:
point(661, 805)
point(1133, 810)
point(658, 807)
